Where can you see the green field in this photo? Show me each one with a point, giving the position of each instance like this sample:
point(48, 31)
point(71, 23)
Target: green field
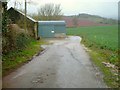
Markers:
point(105, 37)
point(103, 43)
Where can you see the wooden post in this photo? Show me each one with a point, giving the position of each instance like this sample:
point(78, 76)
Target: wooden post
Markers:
point(1, 11)
point(35, 30)
point(25, 21)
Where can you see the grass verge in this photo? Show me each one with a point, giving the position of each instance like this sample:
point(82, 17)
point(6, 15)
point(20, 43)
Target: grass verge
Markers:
point(17, 58)
point(103, 43)
point(98, 56)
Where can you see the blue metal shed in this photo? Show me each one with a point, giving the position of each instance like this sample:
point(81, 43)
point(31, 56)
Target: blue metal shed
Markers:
point(49, 29)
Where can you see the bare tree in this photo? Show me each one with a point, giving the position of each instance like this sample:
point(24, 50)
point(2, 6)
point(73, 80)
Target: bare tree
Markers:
point(75, 21)
point(16, 4)
point(50, 12)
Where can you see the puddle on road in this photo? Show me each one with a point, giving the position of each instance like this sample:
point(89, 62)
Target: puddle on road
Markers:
point(75, 38)
point(62, 41)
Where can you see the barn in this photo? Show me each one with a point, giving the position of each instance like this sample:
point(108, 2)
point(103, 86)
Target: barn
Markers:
point(51, 29)
point(38, 29)
point(17, 17)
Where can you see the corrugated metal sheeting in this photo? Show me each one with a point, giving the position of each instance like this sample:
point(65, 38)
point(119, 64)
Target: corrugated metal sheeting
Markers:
point(50, 29)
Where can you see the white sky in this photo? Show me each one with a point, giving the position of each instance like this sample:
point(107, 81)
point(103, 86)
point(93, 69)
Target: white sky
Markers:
point(105, 8)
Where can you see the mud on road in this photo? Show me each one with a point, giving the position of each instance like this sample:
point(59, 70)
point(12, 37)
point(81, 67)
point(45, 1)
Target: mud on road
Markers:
point(63, 64)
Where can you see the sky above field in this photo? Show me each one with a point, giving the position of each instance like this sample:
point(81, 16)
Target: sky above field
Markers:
point(104, 8)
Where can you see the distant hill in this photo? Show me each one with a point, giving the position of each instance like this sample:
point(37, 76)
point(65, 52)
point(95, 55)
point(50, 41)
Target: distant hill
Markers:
point(87, 20)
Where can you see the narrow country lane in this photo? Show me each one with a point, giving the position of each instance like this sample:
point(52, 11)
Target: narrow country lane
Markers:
point(63, 64)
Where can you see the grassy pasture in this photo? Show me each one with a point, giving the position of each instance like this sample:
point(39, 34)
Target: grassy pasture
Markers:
point(105, 37)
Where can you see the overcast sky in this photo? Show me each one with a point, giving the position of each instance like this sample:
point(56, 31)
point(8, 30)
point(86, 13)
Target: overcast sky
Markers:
point(104, 8)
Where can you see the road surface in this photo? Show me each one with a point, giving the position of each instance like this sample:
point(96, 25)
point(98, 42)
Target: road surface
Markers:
point(63, 64)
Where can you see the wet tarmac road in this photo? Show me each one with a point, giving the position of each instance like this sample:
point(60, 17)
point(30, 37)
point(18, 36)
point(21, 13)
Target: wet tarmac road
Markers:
point(63, 64)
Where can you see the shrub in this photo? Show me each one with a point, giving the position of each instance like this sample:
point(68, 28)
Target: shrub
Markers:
point(22, 40)
point(15, 39)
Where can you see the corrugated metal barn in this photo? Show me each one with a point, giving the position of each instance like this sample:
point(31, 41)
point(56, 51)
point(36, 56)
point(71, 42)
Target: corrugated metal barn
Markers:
point(50, 29)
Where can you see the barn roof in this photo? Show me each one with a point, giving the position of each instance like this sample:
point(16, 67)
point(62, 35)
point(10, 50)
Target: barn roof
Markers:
point(52, 22)
point(24, 14)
